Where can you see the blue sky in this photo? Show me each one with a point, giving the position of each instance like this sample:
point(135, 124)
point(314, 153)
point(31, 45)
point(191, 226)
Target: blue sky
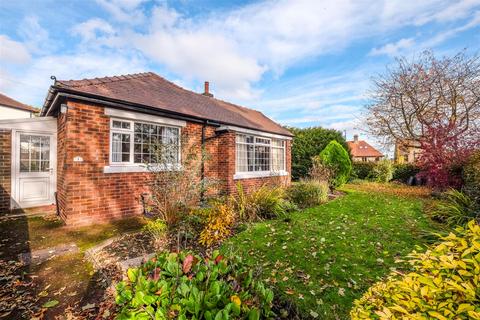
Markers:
point(303, 63)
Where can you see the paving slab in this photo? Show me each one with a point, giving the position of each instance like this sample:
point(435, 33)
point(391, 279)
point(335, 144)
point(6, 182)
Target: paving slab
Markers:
point(42, 255)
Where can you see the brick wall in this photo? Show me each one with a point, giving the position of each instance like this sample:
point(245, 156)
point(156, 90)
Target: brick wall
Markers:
point(5, 169)
point(88, 195)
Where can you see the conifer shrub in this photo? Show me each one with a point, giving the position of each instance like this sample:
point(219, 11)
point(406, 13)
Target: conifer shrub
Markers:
point(336, 157)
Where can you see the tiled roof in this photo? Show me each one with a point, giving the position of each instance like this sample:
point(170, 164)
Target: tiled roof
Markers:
point(149, 89)
point(12, 103)
point(361, 148)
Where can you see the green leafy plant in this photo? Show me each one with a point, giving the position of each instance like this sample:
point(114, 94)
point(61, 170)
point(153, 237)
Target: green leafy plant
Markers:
point(383, 171)
point(336, 157)
point(362, 170)
point(308, 193)
point(443, 285)
point(404, 171)
point(455, 208)
point(185, 286)
point(157, 228)
point(471, 177)
point(265, 202)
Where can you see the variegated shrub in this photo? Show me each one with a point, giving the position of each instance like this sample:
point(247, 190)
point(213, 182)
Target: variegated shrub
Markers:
point(444, 283)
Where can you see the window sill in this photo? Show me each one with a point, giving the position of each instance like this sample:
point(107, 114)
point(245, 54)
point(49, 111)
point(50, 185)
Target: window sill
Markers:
point(138, 168)
point(260, 174)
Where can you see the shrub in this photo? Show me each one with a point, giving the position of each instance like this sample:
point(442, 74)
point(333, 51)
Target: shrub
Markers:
point(336, 157)
point(443, 285)
point(319, 171)
point(185, 286)
point(218, 225)
point(264, 203)
point(308, 193)
point(308, 143)
point(404, 171)
point(157, 229)
point(471, 177)
point(362, 170)
point(383, 171)
point(175, 191)
point(455, 208)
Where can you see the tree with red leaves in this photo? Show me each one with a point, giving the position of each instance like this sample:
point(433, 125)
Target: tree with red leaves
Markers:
point(435, 102)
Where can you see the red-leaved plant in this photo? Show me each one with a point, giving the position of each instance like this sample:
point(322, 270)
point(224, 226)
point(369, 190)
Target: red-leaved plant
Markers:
point(445, 150)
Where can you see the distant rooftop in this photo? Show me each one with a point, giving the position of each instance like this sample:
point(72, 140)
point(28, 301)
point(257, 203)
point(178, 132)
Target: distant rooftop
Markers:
point(12, 103)
point(361, 148)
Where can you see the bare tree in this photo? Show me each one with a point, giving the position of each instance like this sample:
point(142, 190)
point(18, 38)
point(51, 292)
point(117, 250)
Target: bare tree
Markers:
point(416, 97)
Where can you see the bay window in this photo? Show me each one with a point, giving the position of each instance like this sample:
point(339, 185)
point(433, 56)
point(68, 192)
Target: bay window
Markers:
point(259, 154)
point(133, 142)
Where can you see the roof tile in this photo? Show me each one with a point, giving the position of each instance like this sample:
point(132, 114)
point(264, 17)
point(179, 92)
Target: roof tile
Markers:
point(12, 103)
point(363, 149)
point(151, 90)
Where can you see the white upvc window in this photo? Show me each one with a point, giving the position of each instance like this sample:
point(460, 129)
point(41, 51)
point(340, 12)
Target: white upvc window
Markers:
point(137, 142)
point(255, 154)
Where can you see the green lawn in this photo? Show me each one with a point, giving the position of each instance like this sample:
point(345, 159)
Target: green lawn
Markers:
point(325, 257)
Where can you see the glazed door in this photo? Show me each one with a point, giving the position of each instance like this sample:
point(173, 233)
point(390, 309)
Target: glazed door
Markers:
point(35, 167)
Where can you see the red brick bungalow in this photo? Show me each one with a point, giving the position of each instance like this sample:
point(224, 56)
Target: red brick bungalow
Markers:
point(101, 129)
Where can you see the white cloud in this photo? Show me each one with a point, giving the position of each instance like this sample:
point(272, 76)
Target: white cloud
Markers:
point(65, 67)
point(126, 11)
point(35, 37)
point(92, 29)
point(13, 51)
point(393, 49)
point(199, 54)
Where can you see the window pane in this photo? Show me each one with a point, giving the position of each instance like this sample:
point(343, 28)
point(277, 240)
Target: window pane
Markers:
point(120, 147)
point(45, 166)
point(262, 158)
point(155, 144)
point(241, 157)
point(24, 165)
point(121, 124)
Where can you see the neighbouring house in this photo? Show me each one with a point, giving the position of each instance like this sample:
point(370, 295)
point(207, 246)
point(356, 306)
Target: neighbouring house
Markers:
point(87, 150)
point(13, 109)
point(362, 151)
point(407, 151)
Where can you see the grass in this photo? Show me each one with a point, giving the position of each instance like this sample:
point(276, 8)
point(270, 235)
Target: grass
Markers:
point(325, 257)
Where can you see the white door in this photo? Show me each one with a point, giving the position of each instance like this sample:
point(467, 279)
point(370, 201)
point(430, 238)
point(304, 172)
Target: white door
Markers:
point(35, 166)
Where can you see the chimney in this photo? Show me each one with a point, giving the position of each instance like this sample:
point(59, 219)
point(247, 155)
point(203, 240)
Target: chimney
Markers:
point(207, 90)
point(355, 138)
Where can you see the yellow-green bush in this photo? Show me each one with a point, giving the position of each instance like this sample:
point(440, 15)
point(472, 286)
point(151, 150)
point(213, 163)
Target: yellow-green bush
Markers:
point(219, 223)
point(444, 283)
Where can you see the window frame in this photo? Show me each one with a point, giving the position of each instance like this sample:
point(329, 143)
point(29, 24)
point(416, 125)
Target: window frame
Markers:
point(131, 132)
point(270, 172)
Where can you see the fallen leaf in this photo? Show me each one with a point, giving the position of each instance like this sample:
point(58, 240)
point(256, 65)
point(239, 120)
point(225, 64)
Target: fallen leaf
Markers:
point(49, 304)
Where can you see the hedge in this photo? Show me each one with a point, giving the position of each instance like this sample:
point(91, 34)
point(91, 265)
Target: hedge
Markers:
point(308, 143)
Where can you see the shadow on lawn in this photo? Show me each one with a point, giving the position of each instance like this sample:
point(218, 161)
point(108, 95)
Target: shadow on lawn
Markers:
point(15, 283)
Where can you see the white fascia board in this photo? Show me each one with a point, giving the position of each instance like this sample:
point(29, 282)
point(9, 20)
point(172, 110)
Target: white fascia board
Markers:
point(130, 115)
point(254, 132)
point(39, 124)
